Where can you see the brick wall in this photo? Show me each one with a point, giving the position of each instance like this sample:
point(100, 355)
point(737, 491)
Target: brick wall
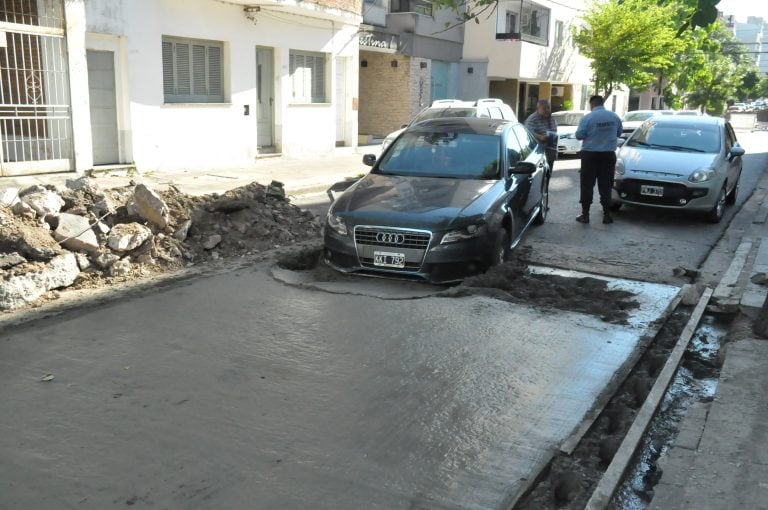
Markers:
point(354, 6)
point(385, 93)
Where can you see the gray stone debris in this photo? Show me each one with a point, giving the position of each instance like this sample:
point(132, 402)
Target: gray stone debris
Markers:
point(9, 196)
point(82, 183)
point(21, 290)
point(212, 241)
point(125, 237)
point(105, 260)
point(10, 260)
point(22, 209)
point(82, 261)
point(150, 206)
point(120, 268)
point(74, 233)
point(183, 231)
point(44, 202)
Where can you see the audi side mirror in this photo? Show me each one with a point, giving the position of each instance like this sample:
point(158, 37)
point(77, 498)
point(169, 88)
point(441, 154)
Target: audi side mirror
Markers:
point(523, 167)
point(369, 159)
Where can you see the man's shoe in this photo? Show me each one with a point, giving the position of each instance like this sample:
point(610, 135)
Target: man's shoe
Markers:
point(607, 219)
point(584, 218)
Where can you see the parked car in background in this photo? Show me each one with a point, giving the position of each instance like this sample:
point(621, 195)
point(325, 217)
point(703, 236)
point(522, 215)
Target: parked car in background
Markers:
point(634, 119)
point(450, 197)
point(567, 122)
point(738, 107)
point(491, 108)
point(680, 162)
point(694, 113)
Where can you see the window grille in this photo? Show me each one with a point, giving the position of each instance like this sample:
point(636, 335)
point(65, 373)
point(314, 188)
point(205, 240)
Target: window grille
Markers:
point(307, 71)
point(192, 71)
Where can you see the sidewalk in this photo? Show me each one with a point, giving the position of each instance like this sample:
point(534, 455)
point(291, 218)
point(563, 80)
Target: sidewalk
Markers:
point(299, 176)
point(720, 457)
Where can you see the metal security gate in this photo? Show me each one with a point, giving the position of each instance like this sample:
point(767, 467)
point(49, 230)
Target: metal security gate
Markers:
point(35, 111)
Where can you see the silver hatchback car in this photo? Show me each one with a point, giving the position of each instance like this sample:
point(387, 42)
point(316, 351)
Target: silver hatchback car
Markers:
point(680, 162)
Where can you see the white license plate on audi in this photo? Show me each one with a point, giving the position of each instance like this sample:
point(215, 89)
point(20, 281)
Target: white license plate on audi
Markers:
point(388, 259)
point(653, 191)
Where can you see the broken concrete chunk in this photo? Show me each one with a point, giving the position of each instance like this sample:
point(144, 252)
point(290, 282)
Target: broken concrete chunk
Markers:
point(211, 242)
point(9, 196)
point(150, 206)
point(759, 279)
point(101, 228)
point(44, 202)
point(183, 231)
point(23, 210)
point(10, 260)
point(84, 183)
point(21, 290)
point(228, 205)
point(82, 261)
point(120, 268)
point(690, 294)
point(105, 260)
point(74, 233)
point(127, 236)
point(35, 188)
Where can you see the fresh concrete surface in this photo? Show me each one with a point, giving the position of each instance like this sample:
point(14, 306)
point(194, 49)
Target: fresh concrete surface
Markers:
point(236, 390)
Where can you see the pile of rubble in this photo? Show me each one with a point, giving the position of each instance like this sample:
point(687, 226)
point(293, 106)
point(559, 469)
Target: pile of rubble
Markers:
point(83, 236)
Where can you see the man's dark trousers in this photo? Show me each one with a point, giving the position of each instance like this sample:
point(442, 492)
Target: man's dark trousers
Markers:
point(597, 166)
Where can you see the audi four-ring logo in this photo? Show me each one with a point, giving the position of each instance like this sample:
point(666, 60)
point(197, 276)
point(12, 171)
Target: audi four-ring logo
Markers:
point(390, 238)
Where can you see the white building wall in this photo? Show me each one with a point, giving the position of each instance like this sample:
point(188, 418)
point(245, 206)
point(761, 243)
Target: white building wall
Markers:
point(159, 136)
point(524, 60)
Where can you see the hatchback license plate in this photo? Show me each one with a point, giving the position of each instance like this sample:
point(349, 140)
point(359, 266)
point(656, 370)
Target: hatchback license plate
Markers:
point(389, 259)
point(654, 191)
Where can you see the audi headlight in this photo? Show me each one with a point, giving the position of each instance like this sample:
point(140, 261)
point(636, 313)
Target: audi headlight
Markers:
point(337, 224)
point(462, 234)
point(620, 170)
point(701, 175)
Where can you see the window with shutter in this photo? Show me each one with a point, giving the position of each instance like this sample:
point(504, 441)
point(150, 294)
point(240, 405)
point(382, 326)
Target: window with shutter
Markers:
point(307, 72)
point(192, 71)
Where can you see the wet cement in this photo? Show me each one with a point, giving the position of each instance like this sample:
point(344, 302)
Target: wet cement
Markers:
point(237, 389)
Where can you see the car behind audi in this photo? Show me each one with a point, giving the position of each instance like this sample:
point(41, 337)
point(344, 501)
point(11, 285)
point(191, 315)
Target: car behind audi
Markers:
point(450, 197)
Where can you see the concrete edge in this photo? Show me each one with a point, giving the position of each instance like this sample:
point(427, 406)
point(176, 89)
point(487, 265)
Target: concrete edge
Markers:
point(606, 487)
point(723, 295)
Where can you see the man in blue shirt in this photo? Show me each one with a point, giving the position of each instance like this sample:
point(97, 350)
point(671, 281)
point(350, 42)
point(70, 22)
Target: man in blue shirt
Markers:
point(598, 131)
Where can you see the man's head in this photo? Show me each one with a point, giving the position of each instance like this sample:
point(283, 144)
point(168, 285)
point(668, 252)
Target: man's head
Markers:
point(596, 101)
point(543, 108)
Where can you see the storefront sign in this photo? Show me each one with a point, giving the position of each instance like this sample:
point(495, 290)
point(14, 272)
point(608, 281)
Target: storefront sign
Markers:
point(380, 42)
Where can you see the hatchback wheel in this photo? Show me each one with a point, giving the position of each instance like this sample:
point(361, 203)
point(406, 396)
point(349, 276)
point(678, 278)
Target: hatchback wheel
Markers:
point(730, 198)
point(716, 214)
point(541, 217)
point(501, 248)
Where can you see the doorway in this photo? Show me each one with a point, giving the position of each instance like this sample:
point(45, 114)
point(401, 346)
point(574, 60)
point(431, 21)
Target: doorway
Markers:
point(265, 99)
point(103, 106)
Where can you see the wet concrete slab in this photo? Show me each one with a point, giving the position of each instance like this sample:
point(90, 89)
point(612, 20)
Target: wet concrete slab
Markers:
point(237, 391)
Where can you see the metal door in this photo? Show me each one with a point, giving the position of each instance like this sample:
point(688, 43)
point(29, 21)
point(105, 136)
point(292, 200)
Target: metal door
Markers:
point(101, 88)
point(439, 79)
point(265, 97)
point(35, 118)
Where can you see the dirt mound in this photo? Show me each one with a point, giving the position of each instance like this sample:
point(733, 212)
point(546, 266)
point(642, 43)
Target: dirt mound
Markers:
point(160, 231)
point(512, 281)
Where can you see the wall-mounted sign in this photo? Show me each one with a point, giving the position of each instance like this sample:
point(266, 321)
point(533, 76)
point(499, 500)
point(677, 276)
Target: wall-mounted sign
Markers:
point(378, 42)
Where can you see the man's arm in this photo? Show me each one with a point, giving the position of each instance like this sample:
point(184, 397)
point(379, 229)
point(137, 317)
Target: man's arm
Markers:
point(581, 130)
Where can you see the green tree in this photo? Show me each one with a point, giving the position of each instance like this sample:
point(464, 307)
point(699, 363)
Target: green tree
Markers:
point(629, 42)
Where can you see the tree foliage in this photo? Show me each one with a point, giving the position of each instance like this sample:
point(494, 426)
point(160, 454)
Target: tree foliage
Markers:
point(628, 42)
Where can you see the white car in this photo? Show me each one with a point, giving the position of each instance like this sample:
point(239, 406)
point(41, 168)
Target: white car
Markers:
point(489, 107)
point(632, 120)
point(567, 122)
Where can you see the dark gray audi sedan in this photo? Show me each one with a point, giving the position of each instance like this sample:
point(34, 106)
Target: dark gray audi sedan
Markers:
point(448, 198)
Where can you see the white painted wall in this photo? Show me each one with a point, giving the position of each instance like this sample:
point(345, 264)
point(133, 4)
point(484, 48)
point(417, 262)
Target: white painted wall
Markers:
point(162, 136)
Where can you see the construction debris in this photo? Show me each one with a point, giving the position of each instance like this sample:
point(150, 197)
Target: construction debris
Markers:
point(83, 236)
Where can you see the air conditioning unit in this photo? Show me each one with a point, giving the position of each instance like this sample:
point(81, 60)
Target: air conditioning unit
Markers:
point(558, 90)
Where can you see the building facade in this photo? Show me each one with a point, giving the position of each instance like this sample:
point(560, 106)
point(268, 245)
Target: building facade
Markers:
point(173, 84)
point(754, 36)
point(410, 55)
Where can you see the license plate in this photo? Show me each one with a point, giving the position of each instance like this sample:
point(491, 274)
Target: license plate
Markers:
point(654, 191)
point(388, 259)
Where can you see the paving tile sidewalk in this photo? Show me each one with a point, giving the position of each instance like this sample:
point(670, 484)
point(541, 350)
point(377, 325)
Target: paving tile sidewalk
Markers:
point(299, 175)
